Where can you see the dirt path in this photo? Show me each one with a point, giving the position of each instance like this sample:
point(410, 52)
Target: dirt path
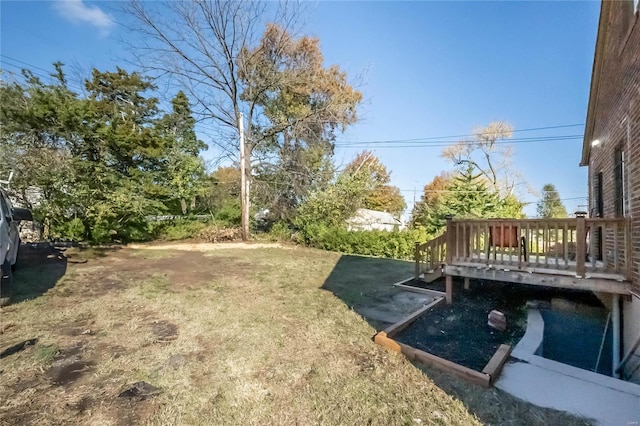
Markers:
point(207, 246)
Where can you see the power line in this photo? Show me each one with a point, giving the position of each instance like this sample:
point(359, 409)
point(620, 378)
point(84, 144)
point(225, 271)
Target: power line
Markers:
point(37, 74)
point(443, 140)
point(430, 141)
point(24, 63)
point(443, 144)
point(459, 136)
point(468, 190)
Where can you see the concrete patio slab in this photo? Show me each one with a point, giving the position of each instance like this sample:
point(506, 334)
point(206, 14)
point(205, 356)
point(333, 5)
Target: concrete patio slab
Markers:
point(551, 384)
point(553, 389)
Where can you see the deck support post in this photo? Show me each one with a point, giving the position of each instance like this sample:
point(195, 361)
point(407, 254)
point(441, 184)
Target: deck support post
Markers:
point(467, 283)
point(581, 244)
point(615, 321)
point(416, 273)
point(449, 289)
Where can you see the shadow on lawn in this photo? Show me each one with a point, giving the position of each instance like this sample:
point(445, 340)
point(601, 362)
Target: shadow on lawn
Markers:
point(40, 266)
point(365, 284)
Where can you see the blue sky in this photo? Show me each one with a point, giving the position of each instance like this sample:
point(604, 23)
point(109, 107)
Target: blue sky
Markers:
point(428, 69)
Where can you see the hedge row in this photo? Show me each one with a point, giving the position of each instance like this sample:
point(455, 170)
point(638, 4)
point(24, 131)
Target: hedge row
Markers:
point(395, 245)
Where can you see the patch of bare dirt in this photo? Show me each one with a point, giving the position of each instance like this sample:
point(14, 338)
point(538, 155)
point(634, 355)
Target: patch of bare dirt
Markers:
point(164, 331)
point(75, 350)
point(68, 371)
point(134, 412)
point(82, 405)
point(207, 246)
point(81, 326)
point(186, 270)
point(22, 385)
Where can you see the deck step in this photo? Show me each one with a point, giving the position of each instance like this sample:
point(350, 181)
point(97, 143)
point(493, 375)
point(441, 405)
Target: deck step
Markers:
point(430, 277)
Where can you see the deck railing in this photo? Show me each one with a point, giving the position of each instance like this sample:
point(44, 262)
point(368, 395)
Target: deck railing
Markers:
point(579, 245)
point(430, 255)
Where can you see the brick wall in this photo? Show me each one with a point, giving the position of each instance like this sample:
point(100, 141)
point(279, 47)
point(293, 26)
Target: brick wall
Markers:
point(617, 120)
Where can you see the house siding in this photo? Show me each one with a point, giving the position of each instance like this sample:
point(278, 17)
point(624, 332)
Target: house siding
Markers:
point(616, 123)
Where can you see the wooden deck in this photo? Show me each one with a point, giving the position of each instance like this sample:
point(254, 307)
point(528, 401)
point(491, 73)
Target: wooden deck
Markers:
point(575, 253)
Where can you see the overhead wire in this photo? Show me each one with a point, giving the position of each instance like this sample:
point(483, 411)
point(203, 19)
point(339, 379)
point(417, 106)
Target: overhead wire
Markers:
point(427, 141)
point(441, 144)
point(421, 142)
point(431, 138)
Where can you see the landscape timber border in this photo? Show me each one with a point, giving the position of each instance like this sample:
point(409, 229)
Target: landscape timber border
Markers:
point(485, 378)
point(403, 285)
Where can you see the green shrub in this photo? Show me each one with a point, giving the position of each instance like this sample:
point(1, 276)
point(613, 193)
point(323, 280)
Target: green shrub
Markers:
point(229, 214)
point(396, 244)
point(71, 230)
point(280, 231)
point(182, 229)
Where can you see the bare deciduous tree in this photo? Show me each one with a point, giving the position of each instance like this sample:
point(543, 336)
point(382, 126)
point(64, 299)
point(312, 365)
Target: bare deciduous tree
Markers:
point(216, 50)
point(489, 156)
point(197, 44)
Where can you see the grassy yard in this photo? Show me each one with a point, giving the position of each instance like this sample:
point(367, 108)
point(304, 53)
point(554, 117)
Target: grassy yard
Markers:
point(230, 336)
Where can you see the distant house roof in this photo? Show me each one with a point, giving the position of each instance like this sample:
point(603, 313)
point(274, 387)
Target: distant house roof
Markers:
point(373, 219)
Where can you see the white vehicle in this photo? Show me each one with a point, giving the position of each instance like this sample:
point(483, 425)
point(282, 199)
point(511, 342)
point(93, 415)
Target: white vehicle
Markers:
point(9, 243)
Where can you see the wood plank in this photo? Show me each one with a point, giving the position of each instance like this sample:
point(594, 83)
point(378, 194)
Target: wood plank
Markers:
point(565, 243)
point(403, 281)
point(451, 241)
point(430, 292)
point(546, 271)
point(555, 246)
point(502, 238)
point(537, 244)
point(394, 329)
point(581, 246)
point(416, 272)
point(548, 280)
point(449, 289)
point(429, 277)
point(478, 249)
point(458, 370)
point(545, 244)
point(497, 361)
point(382, 340)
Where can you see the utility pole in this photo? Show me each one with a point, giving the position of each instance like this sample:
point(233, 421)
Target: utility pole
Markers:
point(244, 182)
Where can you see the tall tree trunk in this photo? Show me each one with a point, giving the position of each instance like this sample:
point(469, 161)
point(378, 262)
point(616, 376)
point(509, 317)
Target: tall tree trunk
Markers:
point(87, 230)
point(183, 205)
point(245, 172)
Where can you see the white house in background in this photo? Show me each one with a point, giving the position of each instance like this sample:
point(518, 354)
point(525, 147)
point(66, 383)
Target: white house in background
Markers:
point(369, 220)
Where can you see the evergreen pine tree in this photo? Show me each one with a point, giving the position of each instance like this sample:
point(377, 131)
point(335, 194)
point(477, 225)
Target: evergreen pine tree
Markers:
point(550, 205)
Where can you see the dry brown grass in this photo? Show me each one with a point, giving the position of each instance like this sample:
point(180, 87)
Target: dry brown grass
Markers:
point(229, 336)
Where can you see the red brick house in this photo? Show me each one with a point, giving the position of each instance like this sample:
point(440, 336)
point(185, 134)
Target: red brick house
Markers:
point(611, 150)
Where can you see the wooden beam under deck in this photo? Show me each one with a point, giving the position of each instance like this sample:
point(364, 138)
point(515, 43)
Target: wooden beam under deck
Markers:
point(599, 284)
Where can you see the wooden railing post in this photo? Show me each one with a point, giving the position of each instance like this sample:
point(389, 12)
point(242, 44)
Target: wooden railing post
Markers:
point(581, 244)
point(451, 241)
point(416, 274)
